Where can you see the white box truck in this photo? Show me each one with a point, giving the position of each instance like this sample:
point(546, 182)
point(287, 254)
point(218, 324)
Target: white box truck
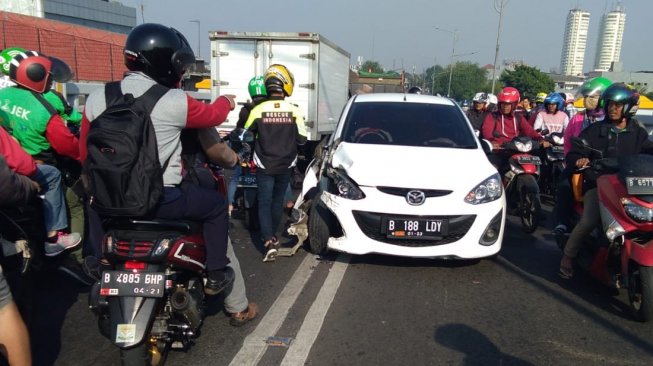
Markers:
point(320, 68)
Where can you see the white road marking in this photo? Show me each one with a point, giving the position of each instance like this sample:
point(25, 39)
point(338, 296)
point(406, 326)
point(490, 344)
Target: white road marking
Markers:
point(298, 351)
point(254, 345)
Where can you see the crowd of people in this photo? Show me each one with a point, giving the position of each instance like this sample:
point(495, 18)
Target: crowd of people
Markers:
point(606, 123)
point(44, 154)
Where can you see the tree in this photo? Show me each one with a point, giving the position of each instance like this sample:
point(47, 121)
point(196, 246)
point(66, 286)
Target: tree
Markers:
point(372, 66)
point(528, 80)
point(466, 79)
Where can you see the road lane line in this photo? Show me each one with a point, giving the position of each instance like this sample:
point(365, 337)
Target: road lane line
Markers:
point(298, 351)
point(254, 345)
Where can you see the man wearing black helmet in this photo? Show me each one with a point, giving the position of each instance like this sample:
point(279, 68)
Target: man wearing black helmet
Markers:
point(279, 128)
point(156, 54)
point(619, 134)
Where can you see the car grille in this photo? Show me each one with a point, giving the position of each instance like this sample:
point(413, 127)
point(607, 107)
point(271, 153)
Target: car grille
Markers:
point(370, 225)
point(404, 191)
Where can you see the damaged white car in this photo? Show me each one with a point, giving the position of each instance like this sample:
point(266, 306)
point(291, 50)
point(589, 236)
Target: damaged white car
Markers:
point(404, 175)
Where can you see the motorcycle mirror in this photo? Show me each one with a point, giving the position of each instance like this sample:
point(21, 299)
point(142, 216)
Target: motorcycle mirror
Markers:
point(487, 146)
point(544, 132)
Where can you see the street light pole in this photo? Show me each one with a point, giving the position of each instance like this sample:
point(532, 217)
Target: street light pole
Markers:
point(199, 43)
point(454, 34)
point(502, 3)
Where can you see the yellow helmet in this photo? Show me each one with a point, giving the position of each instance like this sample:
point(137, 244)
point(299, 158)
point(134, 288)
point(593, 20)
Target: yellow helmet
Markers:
point(539, 98)
point(278, 78)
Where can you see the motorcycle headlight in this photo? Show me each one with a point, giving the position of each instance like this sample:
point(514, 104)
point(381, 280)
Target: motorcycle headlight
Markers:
point(611, 226)
point(524, 146)
point(558, 140)
point(345, 187)
point(487, 191)
point(637, 212)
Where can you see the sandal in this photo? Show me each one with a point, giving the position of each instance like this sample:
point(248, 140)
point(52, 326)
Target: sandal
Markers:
point(271, 250)
point(240, 318)
point(566, 272)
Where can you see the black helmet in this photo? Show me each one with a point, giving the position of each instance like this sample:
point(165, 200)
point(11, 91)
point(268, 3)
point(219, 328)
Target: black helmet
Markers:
point(621, 93)
point(160, 52)
point(415, 90)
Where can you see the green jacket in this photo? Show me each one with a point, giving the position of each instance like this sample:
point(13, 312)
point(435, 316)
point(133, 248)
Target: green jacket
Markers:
point(28, 119)
point(68, 113)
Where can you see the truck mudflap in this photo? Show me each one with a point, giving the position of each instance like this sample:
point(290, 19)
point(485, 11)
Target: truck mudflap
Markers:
point(131, 318)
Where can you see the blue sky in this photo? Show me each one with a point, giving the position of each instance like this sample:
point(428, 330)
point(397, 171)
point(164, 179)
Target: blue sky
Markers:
point(401, 34)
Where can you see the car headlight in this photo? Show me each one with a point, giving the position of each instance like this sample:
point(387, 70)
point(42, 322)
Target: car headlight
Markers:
point(611, 226)
point(345, 187)
point(558, 140)
point(524, 146)
point(637, 212)
point(487, 191)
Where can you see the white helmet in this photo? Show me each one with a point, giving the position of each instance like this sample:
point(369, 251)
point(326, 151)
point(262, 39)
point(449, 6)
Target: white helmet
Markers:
point(480, 97)
point(492, 99)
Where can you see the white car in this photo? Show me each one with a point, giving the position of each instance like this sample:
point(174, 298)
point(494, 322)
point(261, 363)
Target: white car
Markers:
point(404, 175)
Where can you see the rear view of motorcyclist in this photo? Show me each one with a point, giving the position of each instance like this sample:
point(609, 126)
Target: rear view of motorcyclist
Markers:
point(618, 135)
point(552, 117)
point(477, 113)
point(156, 54)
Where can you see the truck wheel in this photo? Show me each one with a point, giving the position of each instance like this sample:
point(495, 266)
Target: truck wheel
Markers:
point(640, 292)
point(319, 224)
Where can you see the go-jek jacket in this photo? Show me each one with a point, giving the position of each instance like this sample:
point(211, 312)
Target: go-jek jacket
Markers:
point(279, 127)
point(35, 128)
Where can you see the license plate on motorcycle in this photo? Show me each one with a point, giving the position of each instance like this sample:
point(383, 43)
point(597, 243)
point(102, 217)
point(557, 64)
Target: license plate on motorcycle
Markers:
point(247, 180)
point(557, 149)
point(639, 185)
point(399, 228)
point(126, 283)
point(535, 160)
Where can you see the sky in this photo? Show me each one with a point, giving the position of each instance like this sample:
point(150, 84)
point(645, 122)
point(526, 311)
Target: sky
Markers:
point(403, 35)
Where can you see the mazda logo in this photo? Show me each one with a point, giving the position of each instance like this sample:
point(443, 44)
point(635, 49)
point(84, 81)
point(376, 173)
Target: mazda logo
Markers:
point(415, 198)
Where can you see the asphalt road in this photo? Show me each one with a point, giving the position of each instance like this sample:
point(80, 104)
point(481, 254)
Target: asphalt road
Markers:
point(378, 310)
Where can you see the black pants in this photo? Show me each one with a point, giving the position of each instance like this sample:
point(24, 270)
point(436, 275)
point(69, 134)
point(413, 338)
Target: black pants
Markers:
point(564, 200)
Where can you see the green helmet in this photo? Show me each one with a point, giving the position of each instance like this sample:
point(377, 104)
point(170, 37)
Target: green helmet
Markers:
point(6, 56)
point(257, 87)
point(593, 86)
point(621, 93)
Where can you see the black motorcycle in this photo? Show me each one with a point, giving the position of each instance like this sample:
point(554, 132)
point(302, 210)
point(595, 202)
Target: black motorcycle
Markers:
point(552, 166)
point(245, 197)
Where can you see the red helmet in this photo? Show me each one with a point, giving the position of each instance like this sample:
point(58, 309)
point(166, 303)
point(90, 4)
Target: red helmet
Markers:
point(31, 71)
point(509, 95)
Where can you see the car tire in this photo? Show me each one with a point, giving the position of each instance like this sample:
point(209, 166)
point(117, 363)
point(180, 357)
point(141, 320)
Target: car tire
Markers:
point(319, 227)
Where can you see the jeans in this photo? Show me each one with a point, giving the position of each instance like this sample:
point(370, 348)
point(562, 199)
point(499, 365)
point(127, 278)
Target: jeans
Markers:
point(271, 191)
point(54, 206)
point(193, 202)
point(590, 219)
point(233, 184)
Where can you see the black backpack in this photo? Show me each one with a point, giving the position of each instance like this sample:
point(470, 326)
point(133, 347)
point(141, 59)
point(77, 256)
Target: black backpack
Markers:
point(125, 177)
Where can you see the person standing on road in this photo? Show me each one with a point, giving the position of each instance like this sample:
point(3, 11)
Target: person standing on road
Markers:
point(279, 127)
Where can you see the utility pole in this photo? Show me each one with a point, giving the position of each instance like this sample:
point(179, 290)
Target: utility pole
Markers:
point(454, 34)
point(199, 43)
point(499, 8)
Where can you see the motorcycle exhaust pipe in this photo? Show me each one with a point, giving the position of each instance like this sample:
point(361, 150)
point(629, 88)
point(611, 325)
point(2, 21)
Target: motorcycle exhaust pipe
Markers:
point(184, 303)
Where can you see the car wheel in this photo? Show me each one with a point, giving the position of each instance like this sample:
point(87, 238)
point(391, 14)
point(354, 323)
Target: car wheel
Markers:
point(319, 224)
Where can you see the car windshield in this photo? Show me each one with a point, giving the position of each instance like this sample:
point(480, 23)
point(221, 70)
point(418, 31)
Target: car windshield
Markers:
point(408, 124)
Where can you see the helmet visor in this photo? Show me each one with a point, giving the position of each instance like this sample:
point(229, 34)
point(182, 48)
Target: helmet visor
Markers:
point(61, 72)
point(183, 57)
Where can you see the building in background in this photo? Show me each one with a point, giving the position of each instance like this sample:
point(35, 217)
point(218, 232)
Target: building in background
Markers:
point(575, 42)
point(99, 14)
point(611, 34)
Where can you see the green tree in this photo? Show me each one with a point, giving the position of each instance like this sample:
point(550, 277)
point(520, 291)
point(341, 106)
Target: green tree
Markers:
point(466, 80)
point(528, 80)
point(371, 66)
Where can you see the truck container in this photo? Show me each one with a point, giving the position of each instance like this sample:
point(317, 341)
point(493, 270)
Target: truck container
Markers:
point(320, 69)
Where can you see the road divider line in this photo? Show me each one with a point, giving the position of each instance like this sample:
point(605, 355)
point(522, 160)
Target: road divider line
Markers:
point(299, 349)
point(254, 345)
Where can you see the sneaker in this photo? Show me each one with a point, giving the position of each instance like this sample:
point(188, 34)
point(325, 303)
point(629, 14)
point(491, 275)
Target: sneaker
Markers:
point(218, 280)
point(64, 242)
point(74, 270)
point(271, 250)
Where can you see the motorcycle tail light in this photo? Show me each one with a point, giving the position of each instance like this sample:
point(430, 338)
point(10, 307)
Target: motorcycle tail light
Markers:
point(135, 265)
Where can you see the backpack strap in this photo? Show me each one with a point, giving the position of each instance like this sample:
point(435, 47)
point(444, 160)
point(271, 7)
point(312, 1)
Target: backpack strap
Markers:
point(112, 92)
point(45, 103)
point(152, 96)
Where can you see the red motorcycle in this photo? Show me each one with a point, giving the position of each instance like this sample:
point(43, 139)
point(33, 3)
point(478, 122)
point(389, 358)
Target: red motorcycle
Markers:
point(520, 182)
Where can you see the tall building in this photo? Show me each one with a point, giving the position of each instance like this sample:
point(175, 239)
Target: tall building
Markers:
point(611, 34)
point(574, 43)
point(100, 14)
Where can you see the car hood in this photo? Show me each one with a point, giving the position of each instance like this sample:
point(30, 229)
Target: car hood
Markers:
point(412, 167)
